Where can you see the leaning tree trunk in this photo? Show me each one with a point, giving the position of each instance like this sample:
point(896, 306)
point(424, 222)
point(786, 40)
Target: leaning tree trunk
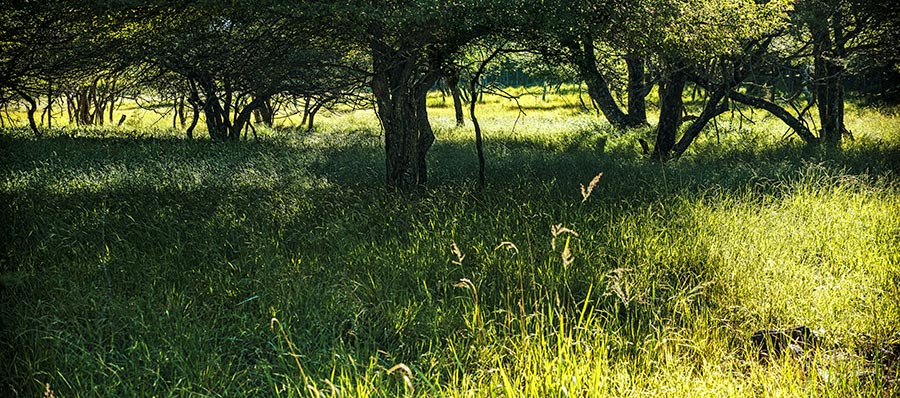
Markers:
point(598, 87)
point(711, 110)
point(671, 105)
point(242, 117)
point(786, 117)
point(453, 83)
point(32, 108)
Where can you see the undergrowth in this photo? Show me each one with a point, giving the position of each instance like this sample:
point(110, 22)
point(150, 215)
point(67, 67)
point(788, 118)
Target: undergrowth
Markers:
point(136, 262)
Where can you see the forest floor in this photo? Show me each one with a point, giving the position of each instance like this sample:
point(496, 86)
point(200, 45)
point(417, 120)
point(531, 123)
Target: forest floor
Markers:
point(135, 262)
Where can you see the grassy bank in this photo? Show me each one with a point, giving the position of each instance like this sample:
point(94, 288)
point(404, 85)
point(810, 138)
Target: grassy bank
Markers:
point(137, 263)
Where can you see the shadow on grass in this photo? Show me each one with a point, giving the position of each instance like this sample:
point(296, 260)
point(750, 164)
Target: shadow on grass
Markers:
point(227, 235)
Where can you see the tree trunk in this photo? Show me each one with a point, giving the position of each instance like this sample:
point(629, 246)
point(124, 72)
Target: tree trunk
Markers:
point(828, 52)
point(453, 85)
point(310, 117)
point(112, 107)
point(306, 104)
point(265, 113)
point(671, 104)
point(49, 108)
point(711, 110)
point(831, 104)
point(242, 117)
point(426, 137)
point(83, 107)
point(598, 87)
point(830, 97)
point(479, 145)
point(400, 82)
point(637, 91)
point(218, 121)
point(474, 88)
point(180, 111)
point(779, 112)
point(196, 108)
point(32, 108)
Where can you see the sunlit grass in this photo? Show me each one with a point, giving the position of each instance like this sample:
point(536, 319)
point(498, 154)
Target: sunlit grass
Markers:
point(136, 262)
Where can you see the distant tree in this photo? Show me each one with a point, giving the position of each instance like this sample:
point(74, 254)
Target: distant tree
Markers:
point(235, 56)
point(44, 45)
point(809, 59)
point(836, 30)
point(591, 36)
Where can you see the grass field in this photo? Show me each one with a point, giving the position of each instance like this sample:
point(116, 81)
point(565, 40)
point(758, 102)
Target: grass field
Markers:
point(138, 263)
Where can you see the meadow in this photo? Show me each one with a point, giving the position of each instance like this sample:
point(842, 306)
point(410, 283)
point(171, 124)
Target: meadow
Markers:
point(136, 262)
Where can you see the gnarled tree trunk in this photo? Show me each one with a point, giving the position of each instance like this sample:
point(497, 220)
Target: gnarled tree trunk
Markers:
point(32, 108)
point(400, 85)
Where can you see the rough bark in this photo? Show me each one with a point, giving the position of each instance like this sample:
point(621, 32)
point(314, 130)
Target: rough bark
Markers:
point(829, 93)
point(829, 38)
point(400, 85)
point(637, 91)
point(671, 104)
point(598, 87)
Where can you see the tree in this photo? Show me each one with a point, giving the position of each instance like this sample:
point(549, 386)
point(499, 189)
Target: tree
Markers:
point(45, 44)
point(411, 44)
point(589, 35)
point(836, 30)
point(714, 40)
point(235, 56)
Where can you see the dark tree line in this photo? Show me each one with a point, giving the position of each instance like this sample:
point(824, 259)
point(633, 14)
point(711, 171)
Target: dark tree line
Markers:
point(236, 63)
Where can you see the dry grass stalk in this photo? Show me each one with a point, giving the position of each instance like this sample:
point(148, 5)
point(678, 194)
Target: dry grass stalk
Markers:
point(586, 192)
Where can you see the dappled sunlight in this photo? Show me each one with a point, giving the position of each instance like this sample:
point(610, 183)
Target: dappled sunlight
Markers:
point(665, 273)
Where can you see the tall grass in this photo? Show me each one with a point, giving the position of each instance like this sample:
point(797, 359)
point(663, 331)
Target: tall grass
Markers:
point(155, 266)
